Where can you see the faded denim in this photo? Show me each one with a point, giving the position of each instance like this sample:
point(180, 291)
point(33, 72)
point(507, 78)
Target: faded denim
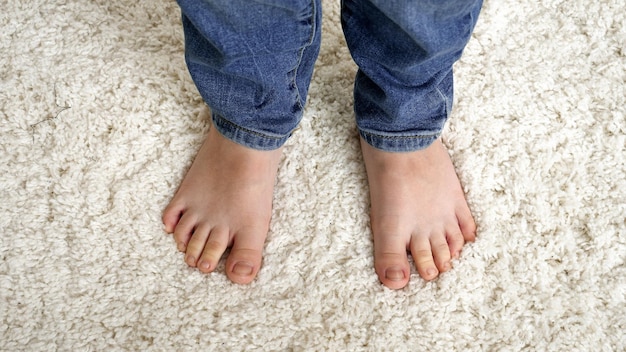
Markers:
point(252, 62)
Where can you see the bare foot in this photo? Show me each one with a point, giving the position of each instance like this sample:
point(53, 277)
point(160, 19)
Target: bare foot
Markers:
point(225, 200)
point(417, 205)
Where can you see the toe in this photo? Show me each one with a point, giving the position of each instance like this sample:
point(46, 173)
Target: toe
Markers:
point(455, 241)
point(171, 216)
point(390, 261)
point(214, 247)
point(244, 260)
point(423, 256)
point(183, 230)
point(440, 252)
point(196, 245)
point(466, 224)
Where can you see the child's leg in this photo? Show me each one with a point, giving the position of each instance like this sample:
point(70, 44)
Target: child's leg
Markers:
point(405, 50)
point(252, 63)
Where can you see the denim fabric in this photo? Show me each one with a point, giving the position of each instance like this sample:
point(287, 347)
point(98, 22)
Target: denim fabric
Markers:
point(405, 50)
point(252, 62)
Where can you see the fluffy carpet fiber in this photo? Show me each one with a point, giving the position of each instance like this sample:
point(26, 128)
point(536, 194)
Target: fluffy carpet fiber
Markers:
point(99, 121)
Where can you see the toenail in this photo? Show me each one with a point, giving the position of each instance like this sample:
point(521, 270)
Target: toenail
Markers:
point(394, 274)
point(243, 268)
point(181, 246)
point(447, 266)
point(431, 272)
point(189, 259)
point(204, 265)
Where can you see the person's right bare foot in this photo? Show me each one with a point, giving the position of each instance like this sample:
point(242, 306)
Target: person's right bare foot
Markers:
point(225, 200)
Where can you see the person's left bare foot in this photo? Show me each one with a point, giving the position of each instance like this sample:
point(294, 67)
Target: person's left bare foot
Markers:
point(417, 204)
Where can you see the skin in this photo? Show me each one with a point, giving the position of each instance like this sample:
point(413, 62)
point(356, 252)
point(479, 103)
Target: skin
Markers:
point(417, 205)
point(225, 200)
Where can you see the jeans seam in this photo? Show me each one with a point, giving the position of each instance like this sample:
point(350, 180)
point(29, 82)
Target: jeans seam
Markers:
point(445, 102)
point(301, 53)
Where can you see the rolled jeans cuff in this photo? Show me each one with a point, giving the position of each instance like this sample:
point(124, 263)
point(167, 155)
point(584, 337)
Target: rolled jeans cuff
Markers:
point(398, 143)
point(248, 138)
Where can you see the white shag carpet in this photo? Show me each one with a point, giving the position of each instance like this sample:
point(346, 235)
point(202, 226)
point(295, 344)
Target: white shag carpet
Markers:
point(99, 121)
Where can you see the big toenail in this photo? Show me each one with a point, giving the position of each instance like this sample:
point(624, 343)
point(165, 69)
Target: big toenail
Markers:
point(242, 268)
point(394, 274)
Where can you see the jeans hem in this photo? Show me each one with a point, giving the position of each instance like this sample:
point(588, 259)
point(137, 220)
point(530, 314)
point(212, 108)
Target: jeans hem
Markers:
point(399, 143)
point(248, 138)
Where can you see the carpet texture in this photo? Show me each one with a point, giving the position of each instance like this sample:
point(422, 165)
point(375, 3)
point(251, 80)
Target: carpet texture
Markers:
point(99, 121)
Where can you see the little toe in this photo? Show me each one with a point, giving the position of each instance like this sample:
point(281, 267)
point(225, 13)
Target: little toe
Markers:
point(466, 224)
point(213, 250)
point(423, 257)
point(171, 216)
point(390, 261)
point(244, 260)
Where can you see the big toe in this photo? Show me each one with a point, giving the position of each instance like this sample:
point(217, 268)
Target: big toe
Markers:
point(392, 272)
point(390, 262)
point(244, 260)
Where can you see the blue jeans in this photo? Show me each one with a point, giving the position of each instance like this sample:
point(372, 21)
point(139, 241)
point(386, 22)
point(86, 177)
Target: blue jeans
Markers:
point(252, 62)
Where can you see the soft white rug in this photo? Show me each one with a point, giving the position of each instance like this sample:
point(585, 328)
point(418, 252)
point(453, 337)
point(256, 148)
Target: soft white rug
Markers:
point(99, 121)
